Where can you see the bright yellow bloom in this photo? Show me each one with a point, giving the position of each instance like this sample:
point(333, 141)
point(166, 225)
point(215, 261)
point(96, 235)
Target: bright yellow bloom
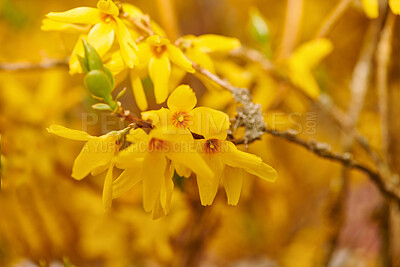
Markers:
point(149, 159)
point(159, 52)
point(198, 48)
point(104, 24)
point(303, 60)
point(395, 6)
point(182, 117)
point(371, 7)
point(227, 162)
point(96, 156)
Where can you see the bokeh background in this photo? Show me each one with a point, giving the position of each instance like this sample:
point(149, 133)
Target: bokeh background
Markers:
point(49, 219)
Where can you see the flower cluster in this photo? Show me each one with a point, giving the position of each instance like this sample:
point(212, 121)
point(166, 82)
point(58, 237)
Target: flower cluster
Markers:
point(181, 139)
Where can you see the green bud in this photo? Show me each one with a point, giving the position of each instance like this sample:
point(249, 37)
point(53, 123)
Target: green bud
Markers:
point(110, 76)
point(99, 85)
point(93, 59)
point(101, 106)
point(84, 63)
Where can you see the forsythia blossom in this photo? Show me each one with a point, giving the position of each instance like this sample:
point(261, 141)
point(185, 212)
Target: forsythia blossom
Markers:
point(104, 24)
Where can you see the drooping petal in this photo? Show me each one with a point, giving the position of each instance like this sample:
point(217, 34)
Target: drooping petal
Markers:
point(101, 37)
point(179, 59)
point(80, 15)
point(108, 188)
point(182, 99)
point(69, 133)
point(210, 123)
point(160, 71)
point(108, 7)
point(208, 188)
point(191, 160)
point(167, 188)
point(233, 181)
point(52, 25)
point(182, 170)
point(98, 170)
point(233, 157)
point(154, 165)
point(216, 43)
point(138, 91)
point(371, 8)
point(96, 152)
point(395, 6)
point(128, 179)
point(128, 46)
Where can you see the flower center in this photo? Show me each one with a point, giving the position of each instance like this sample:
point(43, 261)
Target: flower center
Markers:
point(180, 119)
point(157, 145)
point(106, 17)
point(212, 146)
point(158, 50)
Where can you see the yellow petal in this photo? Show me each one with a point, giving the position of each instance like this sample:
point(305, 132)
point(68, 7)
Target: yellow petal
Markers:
point(182, 170)
point(116, 63)
point(182, 99)
point(98, 170)
point(179, 59)
point(52, 25)
point(68, 133)
point(152, 174)
point(101, 37)
point(128, 179)
point(132, 156)
point(97, 152)
point(127, 45)
point(233, 181)
point(233, 157)
point(132, 10)
point(137, 135)
point(80, 15)
point(156, 40)
point(306, 57)
point(74, 65)
point(216, 43)
point(108, 7)
point(208, 188)
point(395, 6)
point(200, 58)
point(210, 123)
point(167, 188)
point(160, 71)
point(191, 160)
point(138, 91)
point(371, 8)
point(108, 188)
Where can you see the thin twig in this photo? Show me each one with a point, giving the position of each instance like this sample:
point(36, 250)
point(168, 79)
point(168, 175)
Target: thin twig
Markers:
point(324, 150)
point(382, 62)
point(23, 66)
point(332, 18)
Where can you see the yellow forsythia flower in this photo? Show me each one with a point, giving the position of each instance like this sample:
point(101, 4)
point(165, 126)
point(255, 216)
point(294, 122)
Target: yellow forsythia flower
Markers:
point(95, 157)
point(150, 159)
point(104, 24)
point(227, 162)
point(303, 60)
point(395, 6)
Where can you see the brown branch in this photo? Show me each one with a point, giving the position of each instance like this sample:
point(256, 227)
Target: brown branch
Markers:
point(324, 150)
point(23, 66)
point(332, 18)
point(136, 122)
